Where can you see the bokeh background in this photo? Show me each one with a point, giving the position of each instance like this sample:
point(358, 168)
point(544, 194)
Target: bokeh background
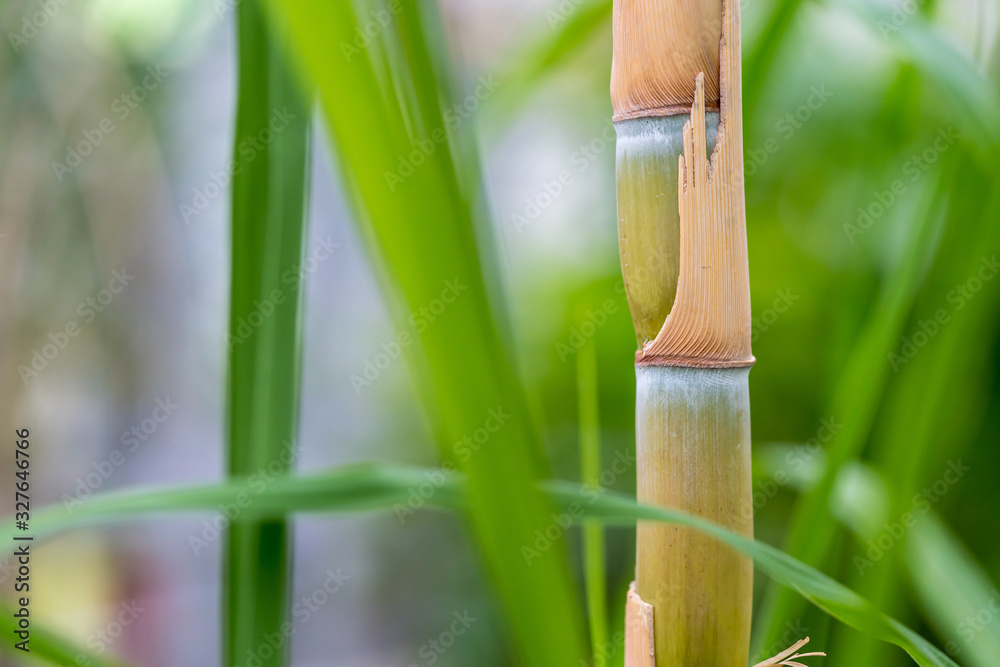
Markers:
point(873, 214)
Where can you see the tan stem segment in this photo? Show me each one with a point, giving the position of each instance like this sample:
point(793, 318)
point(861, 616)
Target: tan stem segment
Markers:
point(693, 454)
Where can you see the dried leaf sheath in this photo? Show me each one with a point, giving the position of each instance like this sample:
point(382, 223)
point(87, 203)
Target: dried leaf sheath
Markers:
point(709, 324)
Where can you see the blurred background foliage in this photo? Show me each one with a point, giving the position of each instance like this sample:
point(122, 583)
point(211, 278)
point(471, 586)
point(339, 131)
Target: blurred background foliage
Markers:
point(871, 155)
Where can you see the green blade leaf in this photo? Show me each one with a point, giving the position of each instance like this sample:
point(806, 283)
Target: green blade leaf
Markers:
point(595, 571)
point(954, 590)
point(265, 332)
point(759, 61)
point(855, 404)
point(567, 37)
point(913, 442)
point(373, 486)
point(967, 92)
point(830, 596)
point(392, 122)
point(48, 646)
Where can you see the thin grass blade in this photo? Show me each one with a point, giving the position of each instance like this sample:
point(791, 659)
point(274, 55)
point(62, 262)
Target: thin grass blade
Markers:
point(49, 647)
point(265, 333)
point(594, 566)
point(956, 592)
point(855, 404)
point(377, 486)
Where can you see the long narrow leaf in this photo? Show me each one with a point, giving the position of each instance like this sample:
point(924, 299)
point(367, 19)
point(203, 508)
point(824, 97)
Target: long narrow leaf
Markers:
point(590, 472)
point(913, 442)
point(830, 596)
point(392, 134)
point(855, 404)
point(373, 486)
point(48, 646)
point(970, 94)
point(956, 593)
point(264, 341)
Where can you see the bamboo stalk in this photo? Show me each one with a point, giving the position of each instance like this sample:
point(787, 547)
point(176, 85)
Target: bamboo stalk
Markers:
point(684, 263)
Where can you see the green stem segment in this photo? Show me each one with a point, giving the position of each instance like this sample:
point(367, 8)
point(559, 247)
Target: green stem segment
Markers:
point(648, 220)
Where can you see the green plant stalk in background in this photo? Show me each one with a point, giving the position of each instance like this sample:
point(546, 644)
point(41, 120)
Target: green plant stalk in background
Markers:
point(271, 151)
point(594, 564)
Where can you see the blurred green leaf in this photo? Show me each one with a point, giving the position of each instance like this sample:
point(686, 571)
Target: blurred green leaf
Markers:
point(590, 473)
point(372, 486)
point(955, 591)
point(47, 646)
point(758, 62)
point(271, 149)
point(855, 403)
point(961, 87)
point(392, 124)
point(567, 36)
point(946, 378)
